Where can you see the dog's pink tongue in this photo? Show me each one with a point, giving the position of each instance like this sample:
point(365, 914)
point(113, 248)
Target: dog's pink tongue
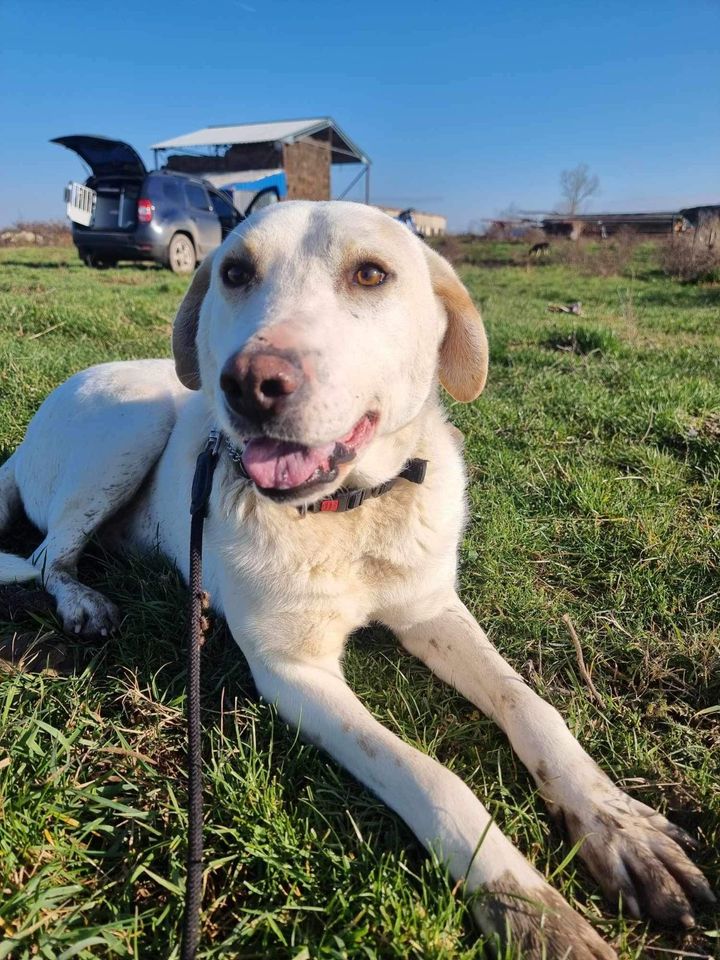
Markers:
point(277, 465)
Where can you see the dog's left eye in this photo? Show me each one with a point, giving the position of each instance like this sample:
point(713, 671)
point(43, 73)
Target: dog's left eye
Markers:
point(369, 275)
point(237, 274)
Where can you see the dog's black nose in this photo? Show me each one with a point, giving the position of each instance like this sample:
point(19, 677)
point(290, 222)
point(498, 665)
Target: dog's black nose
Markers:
point(258, 384)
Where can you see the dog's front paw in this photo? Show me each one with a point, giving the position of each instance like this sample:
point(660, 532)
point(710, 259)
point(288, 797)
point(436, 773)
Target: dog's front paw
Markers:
point(637, 854)
point(539, 923)
point(86, 612)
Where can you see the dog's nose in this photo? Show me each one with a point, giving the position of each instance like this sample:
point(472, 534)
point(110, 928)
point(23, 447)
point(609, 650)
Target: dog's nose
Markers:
point(258, 384)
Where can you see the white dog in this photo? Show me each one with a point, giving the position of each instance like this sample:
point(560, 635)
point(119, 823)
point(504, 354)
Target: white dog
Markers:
point(314, 340)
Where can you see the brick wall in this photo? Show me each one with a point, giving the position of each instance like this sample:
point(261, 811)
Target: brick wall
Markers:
point(307, 166)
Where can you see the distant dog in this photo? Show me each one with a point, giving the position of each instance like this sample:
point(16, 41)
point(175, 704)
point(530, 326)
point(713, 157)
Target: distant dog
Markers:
point(314, 339)
point(539, 249)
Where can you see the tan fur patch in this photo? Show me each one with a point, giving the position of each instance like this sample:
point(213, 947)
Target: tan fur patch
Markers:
point(464, 350)
point(186, 325)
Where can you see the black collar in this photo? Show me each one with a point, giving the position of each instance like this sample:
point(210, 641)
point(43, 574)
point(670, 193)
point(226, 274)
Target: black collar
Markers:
point(342, 500)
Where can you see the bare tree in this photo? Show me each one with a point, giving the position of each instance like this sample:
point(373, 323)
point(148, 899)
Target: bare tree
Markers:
point(577, 186)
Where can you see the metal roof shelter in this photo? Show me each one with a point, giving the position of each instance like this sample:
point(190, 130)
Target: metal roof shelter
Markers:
point(249, 138)
point(647, 223)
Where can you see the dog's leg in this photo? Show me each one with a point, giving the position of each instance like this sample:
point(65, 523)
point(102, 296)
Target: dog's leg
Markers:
point(86, 454)
point(510, 897)
point(81, 609)
point(85, 501)
point(631, 849)
point(86, 497)
point(72, 519)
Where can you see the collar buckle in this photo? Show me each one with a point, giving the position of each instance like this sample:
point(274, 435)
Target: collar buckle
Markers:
point(415, 471)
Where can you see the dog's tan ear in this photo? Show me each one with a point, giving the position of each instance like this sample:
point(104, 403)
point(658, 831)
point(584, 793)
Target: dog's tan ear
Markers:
point(464, 350)
point(186, 326)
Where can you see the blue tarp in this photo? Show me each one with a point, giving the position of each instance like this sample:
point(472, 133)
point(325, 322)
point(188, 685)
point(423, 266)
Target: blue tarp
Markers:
point(276, 180)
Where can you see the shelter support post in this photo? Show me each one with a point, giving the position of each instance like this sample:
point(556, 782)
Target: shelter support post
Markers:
point(365, 172)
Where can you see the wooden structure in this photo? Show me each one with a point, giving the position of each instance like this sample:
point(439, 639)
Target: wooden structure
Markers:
point(304, 150)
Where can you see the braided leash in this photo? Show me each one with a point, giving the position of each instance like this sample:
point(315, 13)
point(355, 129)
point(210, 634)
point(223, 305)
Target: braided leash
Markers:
point(339, 502)
point(201, 487)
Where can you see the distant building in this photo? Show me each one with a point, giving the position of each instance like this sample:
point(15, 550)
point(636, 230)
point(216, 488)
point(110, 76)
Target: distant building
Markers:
point(606, 224)
point(291, 157)
point(428, 224)
point(699, 216)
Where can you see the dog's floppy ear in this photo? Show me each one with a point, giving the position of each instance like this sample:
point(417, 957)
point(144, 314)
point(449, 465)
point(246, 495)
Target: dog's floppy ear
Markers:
point(186, 325)
point(464, 350)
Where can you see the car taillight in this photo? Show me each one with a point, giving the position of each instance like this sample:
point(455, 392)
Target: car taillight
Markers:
point(146, 208)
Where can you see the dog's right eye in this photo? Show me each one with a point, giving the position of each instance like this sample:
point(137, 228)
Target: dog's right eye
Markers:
point(235, 274)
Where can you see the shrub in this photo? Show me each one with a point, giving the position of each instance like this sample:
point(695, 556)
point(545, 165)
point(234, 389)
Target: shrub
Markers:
point(535, 235)
point(54, 233)
point(449, 246)
point(600, 258)
point(694, 256)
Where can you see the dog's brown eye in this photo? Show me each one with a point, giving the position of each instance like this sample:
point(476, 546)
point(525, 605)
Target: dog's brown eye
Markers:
point(237, 274)
point(369, 275)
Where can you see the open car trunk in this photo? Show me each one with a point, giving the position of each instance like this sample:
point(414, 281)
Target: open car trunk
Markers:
point(116, 181)
point(115, 204)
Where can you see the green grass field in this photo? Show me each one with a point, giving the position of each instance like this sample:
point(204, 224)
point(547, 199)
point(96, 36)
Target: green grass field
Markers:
point(594, 461)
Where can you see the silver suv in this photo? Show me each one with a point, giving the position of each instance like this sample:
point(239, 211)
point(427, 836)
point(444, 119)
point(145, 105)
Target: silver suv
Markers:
point(125, 212)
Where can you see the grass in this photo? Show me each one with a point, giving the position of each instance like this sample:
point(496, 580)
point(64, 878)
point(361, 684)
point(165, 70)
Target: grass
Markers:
point(595, 491)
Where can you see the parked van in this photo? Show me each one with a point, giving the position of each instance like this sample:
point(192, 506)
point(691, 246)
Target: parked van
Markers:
point(125, 212)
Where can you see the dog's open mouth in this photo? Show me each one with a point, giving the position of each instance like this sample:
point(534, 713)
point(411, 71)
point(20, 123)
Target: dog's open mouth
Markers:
point(282, 469)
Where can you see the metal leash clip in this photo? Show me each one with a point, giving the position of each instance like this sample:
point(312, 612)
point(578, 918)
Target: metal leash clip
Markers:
point(202, 479)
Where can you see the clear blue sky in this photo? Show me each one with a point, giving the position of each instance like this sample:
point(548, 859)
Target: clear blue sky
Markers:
point(464, 107)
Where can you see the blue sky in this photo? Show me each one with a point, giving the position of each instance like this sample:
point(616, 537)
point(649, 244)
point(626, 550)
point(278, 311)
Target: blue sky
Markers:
point(464, 107)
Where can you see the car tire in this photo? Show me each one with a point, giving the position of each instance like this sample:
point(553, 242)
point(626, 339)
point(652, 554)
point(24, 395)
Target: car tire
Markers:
point(91, 260)
point(181, 256)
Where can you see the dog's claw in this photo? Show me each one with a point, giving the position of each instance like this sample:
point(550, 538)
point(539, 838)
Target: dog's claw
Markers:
point(85, 612)
point(681, 836)
point(636, 855)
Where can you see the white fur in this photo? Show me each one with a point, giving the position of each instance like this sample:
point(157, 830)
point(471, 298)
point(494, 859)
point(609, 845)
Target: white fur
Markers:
point(16, 570)
point(291, 588)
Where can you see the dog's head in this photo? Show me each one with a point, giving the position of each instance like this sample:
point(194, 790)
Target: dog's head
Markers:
point(318, 328)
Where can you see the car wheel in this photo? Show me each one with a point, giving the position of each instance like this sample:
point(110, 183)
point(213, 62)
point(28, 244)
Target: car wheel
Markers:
point(181, 254)
point(91, 260)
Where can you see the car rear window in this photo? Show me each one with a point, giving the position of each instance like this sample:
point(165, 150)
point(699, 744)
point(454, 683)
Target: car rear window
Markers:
point(196, 196)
